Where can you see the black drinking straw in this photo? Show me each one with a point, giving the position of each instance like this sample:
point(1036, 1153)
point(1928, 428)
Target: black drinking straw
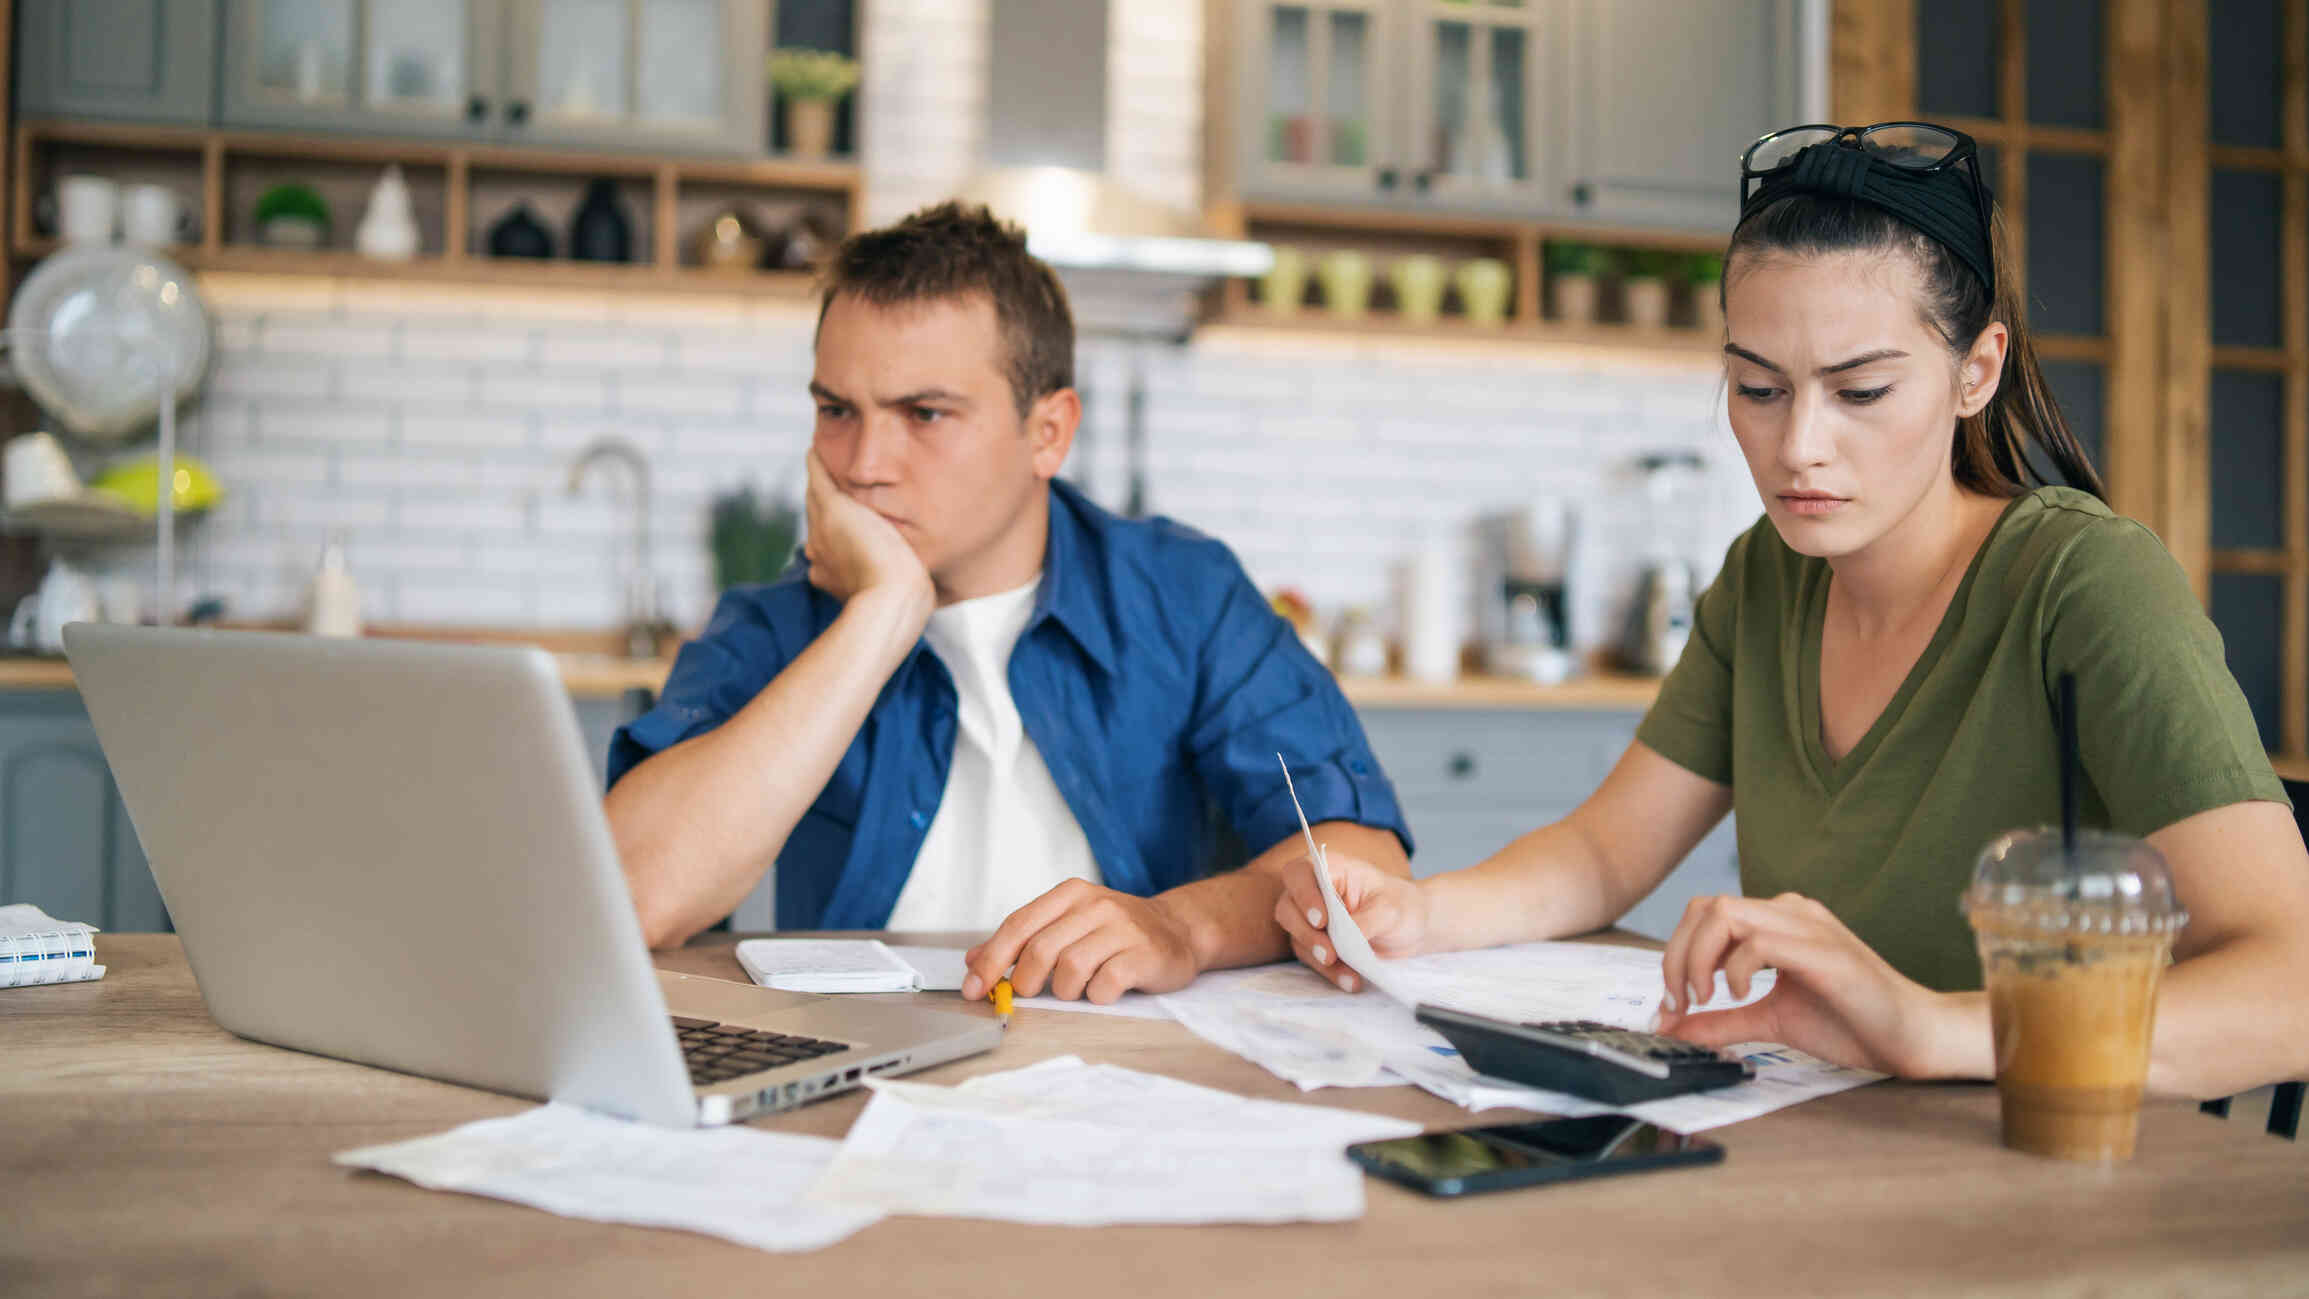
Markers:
point(2068, 764)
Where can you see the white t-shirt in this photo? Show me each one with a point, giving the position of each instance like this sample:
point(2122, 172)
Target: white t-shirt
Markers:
point(1003, 835)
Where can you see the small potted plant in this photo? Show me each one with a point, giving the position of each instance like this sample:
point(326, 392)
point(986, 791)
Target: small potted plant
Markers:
point(811, 82)
point(1644, 293)
point(753, 538)
point(1572, 272)
point(1705, 273)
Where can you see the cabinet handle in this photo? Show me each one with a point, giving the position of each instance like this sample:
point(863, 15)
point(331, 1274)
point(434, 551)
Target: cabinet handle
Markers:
point(517, 112)
point(1461, 766)
point(1583, 193)
point(477, 109)
point(1387, 178)
point(1423, 181)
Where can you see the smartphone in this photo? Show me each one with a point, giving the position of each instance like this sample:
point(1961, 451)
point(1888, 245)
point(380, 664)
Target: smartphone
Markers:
point(1526, 1154)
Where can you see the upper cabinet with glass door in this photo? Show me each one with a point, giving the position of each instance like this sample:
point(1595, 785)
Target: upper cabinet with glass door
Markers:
point(402, 67)
point(1316, 85)
point(1477, 131)
point(563, 72)
point(686, 75)
point(1609, 111)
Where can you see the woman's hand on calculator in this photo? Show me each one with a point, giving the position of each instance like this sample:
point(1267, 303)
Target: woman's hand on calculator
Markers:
point(1834, 997)
point(1390, 910)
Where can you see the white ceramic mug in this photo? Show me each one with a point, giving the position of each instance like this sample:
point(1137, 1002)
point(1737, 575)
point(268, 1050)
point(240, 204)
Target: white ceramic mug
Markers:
point(87, 209)
point(151, 217)
point(36, 469)
point(65, 596)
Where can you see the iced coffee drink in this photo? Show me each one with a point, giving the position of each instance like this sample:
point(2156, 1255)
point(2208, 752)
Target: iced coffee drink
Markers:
point(2073, 943)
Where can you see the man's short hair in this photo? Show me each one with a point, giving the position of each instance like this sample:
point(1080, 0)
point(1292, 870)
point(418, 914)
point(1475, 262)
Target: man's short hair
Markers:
point(956, 251)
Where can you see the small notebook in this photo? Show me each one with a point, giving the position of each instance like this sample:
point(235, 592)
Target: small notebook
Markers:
point(35, 947)
point(834, 965)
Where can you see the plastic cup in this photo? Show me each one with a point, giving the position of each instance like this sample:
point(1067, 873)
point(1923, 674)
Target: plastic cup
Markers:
point(2072, 944)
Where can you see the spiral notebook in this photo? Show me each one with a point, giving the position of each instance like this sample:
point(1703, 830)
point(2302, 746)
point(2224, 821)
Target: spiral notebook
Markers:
point(35, 947)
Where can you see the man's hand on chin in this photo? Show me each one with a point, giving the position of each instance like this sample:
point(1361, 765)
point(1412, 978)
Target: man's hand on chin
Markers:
point(1080, 940)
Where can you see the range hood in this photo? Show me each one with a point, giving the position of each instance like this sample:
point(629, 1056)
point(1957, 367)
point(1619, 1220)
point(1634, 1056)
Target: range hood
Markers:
point(1132, 266)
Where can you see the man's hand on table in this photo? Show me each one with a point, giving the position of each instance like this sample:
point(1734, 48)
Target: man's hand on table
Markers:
point(1088, 942)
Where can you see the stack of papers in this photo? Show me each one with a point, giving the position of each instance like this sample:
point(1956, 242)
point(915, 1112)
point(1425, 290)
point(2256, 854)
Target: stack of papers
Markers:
point(1297, 1025)
point(735, 1183)
point(1074, 1144)
point(35, 947)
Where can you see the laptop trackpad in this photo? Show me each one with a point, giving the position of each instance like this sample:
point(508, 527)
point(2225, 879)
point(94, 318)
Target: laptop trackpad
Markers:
point(728, 1001)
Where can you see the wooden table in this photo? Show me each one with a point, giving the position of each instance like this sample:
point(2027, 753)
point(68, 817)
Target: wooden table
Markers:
point(145, 1151)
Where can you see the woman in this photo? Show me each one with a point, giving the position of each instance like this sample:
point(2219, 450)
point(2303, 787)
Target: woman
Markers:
point(1869, 682)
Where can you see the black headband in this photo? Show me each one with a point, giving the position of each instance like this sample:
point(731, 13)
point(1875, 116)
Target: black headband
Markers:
point(1939, 203)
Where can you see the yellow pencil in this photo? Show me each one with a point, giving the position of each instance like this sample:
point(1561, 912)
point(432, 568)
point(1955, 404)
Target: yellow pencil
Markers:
point(1002, 995)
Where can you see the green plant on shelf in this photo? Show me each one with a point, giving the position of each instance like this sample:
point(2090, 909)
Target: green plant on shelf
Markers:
point(1702, 269)
point(1570, 257)
point(801, 73)
point(753, 539)
point(1653, 264)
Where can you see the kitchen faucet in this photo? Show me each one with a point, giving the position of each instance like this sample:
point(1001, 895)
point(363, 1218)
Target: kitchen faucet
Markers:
point(643, 628)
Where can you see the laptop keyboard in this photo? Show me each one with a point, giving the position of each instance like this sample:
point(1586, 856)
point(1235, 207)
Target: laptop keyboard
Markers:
point(719, 1052)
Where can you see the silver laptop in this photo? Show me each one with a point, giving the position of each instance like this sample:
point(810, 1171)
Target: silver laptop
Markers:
point(395, 853)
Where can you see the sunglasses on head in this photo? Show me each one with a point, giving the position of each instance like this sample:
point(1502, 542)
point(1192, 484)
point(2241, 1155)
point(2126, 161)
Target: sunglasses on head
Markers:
point(1918, 147)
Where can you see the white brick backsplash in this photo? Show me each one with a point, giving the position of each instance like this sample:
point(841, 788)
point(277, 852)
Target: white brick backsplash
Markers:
point(249, 468)
point(479, 344)
point(439, 429)
point(442, 512)
point(368, 514)
point(624, 350)
point(436, 385)
point(699, 395)
point(526, 390)
point(289, 423)
point(755, 354)
point(471, 602)
point(260, 374)
point(294, 334)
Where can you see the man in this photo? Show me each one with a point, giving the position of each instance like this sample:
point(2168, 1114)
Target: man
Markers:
point(986, 701)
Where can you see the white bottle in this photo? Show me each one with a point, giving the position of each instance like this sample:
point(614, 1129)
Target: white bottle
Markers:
point(333, 606)
point(388, 230)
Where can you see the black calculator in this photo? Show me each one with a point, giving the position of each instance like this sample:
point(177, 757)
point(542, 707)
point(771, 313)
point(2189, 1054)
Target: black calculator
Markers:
point(1584, 1058)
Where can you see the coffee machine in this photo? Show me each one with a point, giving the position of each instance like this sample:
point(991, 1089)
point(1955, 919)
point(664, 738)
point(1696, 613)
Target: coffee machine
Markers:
point(1522, 617)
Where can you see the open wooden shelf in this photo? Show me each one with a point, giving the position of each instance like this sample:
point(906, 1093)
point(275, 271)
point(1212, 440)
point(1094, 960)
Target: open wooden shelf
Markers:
point(452, 254)
point(1519, 244)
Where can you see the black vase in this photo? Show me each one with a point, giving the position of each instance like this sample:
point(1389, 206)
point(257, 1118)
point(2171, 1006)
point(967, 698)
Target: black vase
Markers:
point(600, 232)
point(520, 234)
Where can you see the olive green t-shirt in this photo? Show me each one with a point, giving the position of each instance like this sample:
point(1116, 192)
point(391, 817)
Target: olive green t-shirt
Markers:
point(1967, 749)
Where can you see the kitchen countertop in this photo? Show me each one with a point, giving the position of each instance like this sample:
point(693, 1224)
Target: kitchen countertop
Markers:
point(594, 676)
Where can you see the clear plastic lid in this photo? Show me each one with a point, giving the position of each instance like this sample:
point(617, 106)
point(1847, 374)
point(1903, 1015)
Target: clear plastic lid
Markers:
point(2110, 884)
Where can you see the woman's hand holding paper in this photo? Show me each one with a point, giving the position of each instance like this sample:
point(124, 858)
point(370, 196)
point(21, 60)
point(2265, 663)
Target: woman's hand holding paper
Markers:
point(1390, 910)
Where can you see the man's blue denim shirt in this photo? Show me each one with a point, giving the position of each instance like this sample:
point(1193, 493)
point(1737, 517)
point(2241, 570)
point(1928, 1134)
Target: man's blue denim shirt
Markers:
point(1152, 677)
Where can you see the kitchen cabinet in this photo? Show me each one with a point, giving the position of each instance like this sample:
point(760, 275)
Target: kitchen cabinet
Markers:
point(1577, 110)
point(588, 73)
point(128, 60)
point(400, 67)
point(1665, 96)
point(66, 844)
point(1471, 781)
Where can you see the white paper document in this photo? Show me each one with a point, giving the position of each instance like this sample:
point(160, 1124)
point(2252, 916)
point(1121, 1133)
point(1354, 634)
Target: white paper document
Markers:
point(736, 1183)
point(941, 969)
point(1074, 1144)
point(1298, 1026)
